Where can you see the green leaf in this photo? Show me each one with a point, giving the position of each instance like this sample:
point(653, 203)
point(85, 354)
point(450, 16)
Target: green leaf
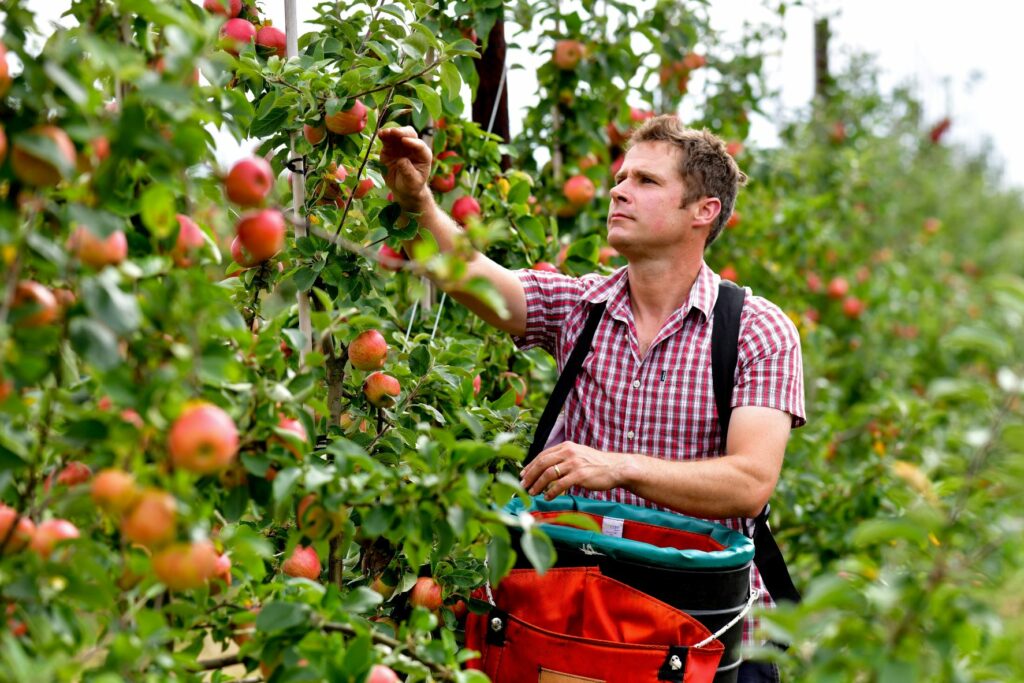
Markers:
point(105, 301)
point(483, 290)
point(451, 80)
point(285, 483)
point(431, 100)
point(158, 211)
point(532, 230)
point(500, 558)
point(361, 600)
point(538, 548)
point(419, 360)
point(277, 617)
point(978, 339)
point(95, 342)
point(100, 223)
point(46, 149)
point(875, 531)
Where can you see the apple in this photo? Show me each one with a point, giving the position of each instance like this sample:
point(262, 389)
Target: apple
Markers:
point(227, 8)
point(245, 626)
point(853, 307)
point(837, 288)
point(463, 208)
point(364, 187)
point(368, 351)
point(98, 252)
point(426, 594)
point(314, 134)
point(36, 305)
point(3, 144)
point(261, 234)
point(235, 33)
point(734, 148)
point(579, 190)
point(5, 75)
point(616, 164)
point(606, 254)
point(692, 60)
point(32, 170)
point(347, 420)
point(729, 273)
point(185, 566)
point(390, 259)
point(734, 220)
point(477, 383)
point(22, 534)
point(382, 674)
point(72, 474)
point(234, 476)
point(292, 426)
point(837, 132)
point(348, 121)
point(315, 520)
point(249, 181)
point(545, 267)
point(303, 562)
point(515, 383)
point(381, 389)
point(222, 569)
point(931, 225)
point(190, 240)
point(273, 41)
point(334, 177)
point(203, 439)
point(49, 533)
point(16, 627)
point(814, 282)
point(939, 130)
point(114, 490)
point(568, 53)
point(239, 256)
point(448, 154)
point(151, 521)
point(443, 183)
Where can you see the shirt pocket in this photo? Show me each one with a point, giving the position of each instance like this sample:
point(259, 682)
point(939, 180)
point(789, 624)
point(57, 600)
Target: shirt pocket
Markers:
point(682, 412)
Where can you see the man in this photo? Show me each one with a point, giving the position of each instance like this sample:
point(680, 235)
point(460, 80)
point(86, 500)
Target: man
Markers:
point(641, 426)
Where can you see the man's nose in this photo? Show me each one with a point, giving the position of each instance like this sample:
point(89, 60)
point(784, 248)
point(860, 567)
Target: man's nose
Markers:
point(618, 194)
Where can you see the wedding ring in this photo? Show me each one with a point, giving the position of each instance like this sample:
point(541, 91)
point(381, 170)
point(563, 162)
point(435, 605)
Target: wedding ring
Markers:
point(558, 472)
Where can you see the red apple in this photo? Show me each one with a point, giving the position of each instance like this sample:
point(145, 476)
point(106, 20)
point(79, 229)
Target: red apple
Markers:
point(579, 190)
point(72, 474)
point(96, 251)
point(239, 256)
point(292, 426)
point(347, 420)
point(227, 8)
point(314, 134)
point(151, 521)
point(426, 593)
point(853, 307)
point(814, 282)
point(33, 170)
point(545, 267)
point(272, 41)
point(22, 534)
point(692, 60)
point(448, 154)
point(364, 187)
point(734, 220)
point(222, 569)
point(5, 75)
point(203, 439)
point(463, 208)
point(443, 183)
point(35, 304)
point(249, 181)
point(568, 53)
point(382, 674)
point(729, 273)
point(235, 33)
point(185, 566)
point(190, 240)
point(837, 132)
point(303, 563)
point(931, 225)
point(315, 520)
point(381, 389)
point(606, 254)
point(514, 383)
point(939, 130)
point(114, 490)
point(3, 144)
point(368, 351)
point(477, 383)
point(261, 234)
point(348, 121)
point(49, 533)
point(616, 164)
point(389, 258)
point(734, 148)
point(838, 288)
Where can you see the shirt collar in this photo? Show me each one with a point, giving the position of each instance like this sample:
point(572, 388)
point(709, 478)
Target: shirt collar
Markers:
point(614, 291)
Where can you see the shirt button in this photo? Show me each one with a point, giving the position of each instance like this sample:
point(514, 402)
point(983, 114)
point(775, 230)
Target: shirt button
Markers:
point(636, 384)
point(630, 434)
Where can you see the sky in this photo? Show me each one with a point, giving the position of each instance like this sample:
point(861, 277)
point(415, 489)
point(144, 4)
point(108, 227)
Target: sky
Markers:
point(962, 58)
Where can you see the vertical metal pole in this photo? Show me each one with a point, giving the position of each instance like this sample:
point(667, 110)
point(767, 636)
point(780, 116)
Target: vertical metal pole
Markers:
point(291, 24)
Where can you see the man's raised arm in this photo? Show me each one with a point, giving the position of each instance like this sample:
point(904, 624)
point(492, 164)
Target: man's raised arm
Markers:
point(407, 161)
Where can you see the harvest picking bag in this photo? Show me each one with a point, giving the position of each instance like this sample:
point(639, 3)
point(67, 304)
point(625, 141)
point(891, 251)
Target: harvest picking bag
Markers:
point(575, 625)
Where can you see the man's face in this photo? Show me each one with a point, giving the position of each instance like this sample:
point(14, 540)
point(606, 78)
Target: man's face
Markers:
point(645, 215)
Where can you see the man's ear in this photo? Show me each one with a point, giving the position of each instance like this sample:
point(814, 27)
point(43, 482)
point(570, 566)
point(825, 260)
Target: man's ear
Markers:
point(706, 210)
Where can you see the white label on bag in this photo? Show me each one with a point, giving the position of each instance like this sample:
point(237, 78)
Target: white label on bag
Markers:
point(611, 526)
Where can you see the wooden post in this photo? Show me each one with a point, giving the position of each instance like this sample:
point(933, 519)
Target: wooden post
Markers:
point(291, 24)
point(490, 108)
point(822, 80)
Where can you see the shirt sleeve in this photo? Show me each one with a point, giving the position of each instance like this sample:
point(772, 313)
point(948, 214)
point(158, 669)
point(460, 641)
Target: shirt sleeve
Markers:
point(549, 299)
point(770, 365)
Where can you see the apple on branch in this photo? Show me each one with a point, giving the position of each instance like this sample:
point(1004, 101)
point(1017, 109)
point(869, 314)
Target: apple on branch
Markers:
point(204, 439)
point(260, 235)
point(381, 389)
point(579, 190)
point(271, 41)
point(38, 172)
point(22, 534)
point(249, 181)
point(151, 520)
point(348, 121)
point(114, 490)
point(303, 563)
point(33, 305)
point(236, 34)
point(51, 532)
point(568, 53)
point(368, 351)
point(98, 252)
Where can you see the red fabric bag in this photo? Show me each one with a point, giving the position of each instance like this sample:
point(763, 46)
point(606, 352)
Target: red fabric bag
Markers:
point(575, 625)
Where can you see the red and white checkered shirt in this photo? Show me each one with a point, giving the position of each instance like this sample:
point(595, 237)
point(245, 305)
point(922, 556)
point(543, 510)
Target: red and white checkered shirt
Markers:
point(662, 404)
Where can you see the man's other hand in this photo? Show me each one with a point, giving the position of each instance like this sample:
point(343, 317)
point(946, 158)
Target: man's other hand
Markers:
point(407, 160)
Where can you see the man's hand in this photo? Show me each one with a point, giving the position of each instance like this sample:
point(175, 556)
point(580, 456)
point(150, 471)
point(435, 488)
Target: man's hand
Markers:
point(407, 160)
point(557, 469)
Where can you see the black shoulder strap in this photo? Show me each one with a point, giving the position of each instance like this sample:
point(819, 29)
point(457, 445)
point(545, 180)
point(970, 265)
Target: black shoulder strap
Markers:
point(724, 355)
point(565, 383)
